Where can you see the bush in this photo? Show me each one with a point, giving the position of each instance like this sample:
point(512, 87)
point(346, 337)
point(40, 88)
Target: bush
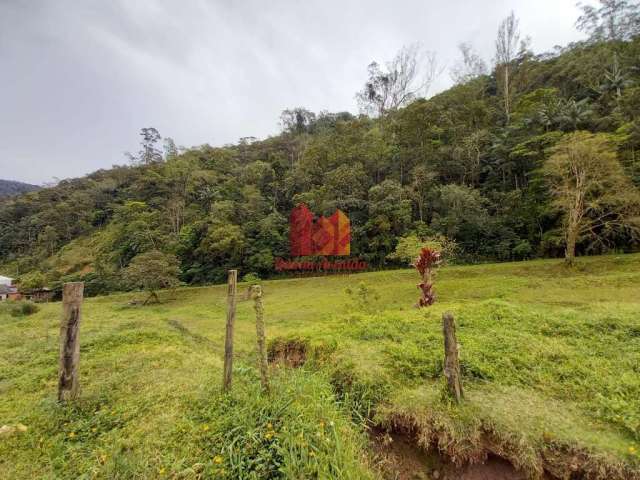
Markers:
point(251, 278)
point(23, 309)
point(522, 250)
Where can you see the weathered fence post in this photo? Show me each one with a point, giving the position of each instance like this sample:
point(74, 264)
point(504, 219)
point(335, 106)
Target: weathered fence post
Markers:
point(228, 341)
point(68, 382)
point(262, 347)
point(451, 360)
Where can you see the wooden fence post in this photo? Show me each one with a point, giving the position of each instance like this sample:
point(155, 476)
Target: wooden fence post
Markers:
point(451, 360)
point(68, 381)
point(262, 348)
point(231, 318)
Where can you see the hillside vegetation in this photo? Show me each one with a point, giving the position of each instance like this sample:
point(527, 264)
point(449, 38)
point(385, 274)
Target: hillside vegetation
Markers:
point(549, 355)
point(465, 164)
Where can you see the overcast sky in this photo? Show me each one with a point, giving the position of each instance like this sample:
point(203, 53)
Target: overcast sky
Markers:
point(78, 79)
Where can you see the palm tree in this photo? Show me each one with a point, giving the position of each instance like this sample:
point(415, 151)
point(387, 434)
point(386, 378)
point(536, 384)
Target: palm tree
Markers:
point(575, 114)
point(615, 80)
point(550, 115)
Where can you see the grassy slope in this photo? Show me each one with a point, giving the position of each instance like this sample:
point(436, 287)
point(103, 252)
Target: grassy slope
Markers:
point(551, 362)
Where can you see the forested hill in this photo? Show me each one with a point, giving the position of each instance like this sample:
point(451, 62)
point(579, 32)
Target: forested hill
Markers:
point(9, 188)
point(465, 164)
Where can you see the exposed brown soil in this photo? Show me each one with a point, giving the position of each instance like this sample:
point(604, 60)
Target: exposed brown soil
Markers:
point(399, 458)
point(291, 353)
point(495, 468)
point(553, 461)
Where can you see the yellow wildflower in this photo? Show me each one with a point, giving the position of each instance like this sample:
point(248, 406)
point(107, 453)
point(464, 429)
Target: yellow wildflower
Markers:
point(632, 450)
point(72, 434)
point(217, 459)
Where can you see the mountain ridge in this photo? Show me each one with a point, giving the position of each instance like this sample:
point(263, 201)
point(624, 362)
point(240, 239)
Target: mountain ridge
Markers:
point(9, 188)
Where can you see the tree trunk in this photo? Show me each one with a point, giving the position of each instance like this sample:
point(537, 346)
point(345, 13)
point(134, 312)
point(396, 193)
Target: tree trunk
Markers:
point(570, 249)
point(506, 92)
point(68, 381)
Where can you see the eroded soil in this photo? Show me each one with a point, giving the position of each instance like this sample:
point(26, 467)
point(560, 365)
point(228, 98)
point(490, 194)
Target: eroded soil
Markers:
point(399, 458)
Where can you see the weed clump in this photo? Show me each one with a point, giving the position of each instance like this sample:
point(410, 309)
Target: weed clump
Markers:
point(23, 309)
point(363, 297)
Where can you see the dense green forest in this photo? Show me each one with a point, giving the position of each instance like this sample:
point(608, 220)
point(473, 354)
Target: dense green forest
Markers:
point(466, 164)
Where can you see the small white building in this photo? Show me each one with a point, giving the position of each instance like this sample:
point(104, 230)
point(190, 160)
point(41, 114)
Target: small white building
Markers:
point(5, 287)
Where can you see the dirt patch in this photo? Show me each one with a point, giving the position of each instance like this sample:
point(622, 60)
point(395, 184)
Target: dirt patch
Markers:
point(288, 352)
point(399, 458)
point(495, 468)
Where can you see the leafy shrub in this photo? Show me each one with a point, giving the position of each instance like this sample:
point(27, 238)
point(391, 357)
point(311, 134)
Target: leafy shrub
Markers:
point(522, 250)
point(23, 309)
point(251, 278)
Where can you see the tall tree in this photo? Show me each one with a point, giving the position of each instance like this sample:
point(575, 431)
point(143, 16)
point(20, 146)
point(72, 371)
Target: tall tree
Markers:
point(149, 153)
point(470, 66)
point(297, 120)
point(152, 271)
point(591, 189)
point(406, 77)
point(170, 149)
point(509, 48)
point(423, 181)
point(611, 20)
point(48, 239)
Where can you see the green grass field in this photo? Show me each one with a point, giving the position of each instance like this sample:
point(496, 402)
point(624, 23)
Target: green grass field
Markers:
point(550, 360)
